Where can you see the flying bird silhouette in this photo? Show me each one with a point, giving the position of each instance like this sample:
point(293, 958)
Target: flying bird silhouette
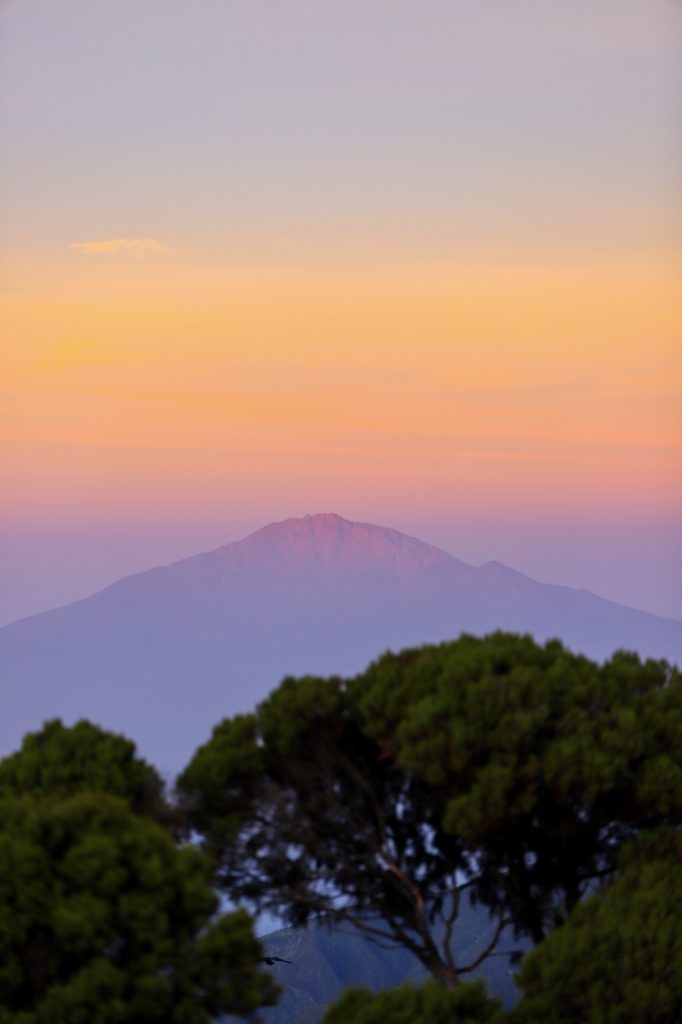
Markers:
point(270, 960)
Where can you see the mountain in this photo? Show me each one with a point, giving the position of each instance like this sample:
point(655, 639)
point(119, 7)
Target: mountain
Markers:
point(164, 654)
point(324, 961)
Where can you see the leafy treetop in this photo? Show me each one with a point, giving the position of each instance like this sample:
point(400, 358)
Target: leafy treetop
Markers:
point(408, 1005)
point(60, 761)
point(496, 765)
point(544, 761)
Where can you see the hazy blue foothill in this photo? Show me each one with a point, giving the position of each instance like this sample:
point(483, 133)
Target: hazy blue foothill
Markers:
point(164, 654)
point(325, 961)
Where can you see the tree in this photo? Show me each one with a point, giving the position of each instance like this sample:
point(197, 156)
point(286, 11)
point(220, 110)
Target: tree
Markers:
point(545, 762)
point(60, 761)
point(618, 957)
point(407, 1005)
point(496, 767)
point(305, 819)
point(103, 920)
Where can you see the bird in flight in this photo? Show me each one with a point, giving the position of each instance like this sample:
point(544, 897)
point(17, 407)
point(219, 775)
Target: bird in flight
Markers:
point(270, 960)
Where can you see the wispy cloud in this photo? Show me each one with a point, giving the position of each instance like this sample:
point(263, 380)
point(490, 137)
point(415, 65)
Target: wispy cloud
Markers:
point(138, 248)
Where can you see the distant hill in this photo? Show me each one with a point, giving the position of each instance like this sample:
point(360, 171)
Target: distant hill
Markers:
point(324, 962)
point(164, 654)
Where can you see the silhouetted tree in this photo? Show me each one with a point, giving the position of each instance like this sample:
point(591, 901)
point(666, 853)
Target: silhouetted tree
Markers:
point(495, 766)
point(545, 762)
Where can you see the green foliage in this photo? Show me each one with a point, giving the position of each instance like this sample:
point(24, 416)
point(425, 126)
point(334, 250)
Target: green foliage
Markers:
point(544, 761)
point(304, 817)
point(515, 768)
point(59, 762)
point(103, 920)
point(430, 1003)
point(618, 958)
point(222, 780)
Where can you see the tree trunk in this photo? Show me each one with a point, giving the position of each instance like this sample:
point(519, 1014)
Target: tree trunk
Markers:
point(444, 973)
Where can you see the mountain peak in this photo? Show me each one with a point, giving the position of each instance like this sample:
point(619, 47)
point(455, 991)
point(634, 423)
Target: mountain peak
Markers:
point(316, 523)
point(164, 654)
point(326, 539)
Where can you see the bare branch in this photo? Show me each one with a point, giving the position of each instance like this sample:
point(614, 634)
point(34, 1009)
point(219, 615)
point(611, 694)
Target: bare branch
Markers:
point(485, 953)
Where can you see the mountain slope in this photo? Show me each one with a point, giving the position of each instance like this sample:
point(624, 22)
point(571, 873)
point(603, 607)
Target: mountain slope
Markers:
point(164, 654)
point(324, 961)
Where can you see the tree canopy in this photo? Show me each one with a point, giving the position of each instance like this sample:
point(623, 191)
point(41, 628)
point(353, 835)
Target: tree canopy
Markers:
point(60, 761)
point(618, 957)
point(409, 1005)
point(498, 766)
point(546, 762)
point(103, 920)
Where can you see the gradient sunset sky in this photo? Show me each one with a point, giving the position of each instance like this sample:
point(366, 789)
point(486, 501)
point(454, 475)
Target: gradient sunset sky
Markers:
point(414, 262)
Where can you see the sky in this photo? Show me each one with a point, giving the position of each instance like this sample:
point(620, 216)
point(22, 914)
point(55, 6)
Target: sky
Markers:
point(414, 263)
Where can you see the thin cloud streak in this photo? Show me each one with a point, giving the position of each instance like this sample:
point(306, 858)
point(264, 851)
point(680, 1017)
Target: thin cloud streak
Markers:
point(138, 248)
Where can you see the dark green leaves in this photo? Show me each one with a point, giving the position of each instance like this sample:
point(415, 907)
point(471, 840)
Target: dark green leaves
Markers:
point(618, 958)
point(60, 761)
point(428, 1004)
point(516, 769)
point(102, 916)
point(97, 903)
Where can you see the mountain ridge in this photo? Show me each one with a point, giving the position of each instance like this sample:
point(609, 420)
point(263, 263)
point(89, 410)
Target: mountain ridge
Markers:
point(490, 566)
point(224, 552)
point(164, 654)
